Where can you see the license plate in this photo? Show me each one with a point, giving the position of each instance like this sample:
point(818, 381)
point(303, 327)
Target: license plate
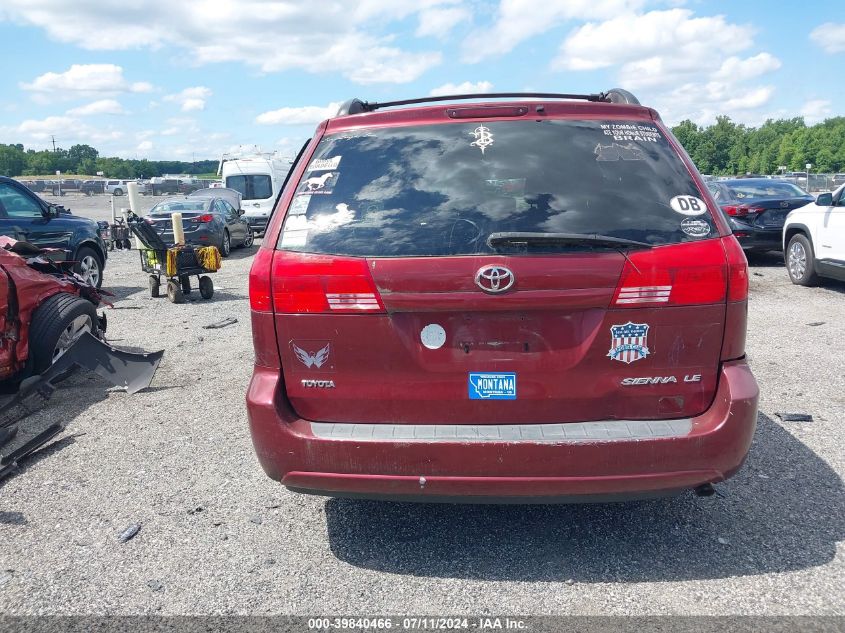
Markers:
point(492, 386)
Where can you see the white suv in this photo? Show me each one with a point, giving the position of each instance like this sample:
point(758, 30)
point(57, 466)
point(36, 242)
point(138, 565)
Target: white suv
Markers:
point(119, 187)
point(814, 239)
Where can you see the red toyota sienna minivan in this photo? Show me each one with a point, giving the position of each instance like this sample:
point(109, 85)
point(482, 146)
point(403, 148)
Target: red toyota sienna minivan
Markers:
point(530, 298)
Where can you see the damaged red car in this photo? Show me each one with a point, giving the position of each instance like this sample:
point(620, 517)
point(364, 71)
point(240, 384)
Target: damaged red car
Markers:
point(533, 299)
point(44, 309)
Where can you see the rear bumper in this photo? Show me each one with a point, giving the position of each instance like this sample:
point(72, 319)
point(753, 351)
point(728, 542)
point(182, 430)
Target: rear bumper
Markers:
point(756, 238)
point(312, 458)
point(258, 225)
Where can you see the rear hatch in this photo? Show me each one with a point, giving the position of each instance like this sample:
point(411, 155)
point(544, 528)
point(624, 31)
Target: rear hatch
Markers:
point(257, 193)
point(499, 272)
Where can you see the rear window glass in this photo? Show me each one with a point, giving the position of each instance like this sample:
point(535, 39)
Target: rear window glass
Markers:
point(768, 190)
point(166, 208)
point(251, 187)
point(443, 189)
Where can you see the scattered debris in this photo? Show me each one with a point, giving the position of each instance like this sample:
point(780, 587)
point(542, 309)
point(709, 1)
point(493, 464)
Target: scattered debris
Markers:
point(269, 562)
point(196, 510)
point(570, 581)
point(255, 519)
point(155, 585)
point(218, 324)
point(794, 417)
point(756, 274)
point(816, 323)
point(129, 533)
point(723, 541)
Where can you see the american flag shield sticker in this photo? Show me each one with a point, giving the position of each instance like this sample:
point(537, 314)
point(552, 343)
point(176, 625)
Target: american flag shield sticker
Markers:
point(629, 342)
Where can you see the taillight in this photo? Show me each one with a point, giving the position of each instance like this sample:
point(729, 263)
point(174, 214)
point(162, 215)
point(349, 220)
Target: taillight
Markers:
point(693, 273)
point(740, 210)
point(260, 298)
point(736, 312)
point(737, 270)
point(307, 283)
point(206, 217)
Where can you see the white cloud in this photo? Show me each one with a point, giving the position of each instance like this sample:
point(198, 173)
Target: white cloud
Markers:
point(816, 110)
point(191, 99)
point(83, 80)
point(102, 106)
point(830, 36)
point(685, 66)
point(144, 146)
point(439, 22)
point(334, 37)
point(519, 20)
point(305, 115)
point(466, 87)
point(67, 130)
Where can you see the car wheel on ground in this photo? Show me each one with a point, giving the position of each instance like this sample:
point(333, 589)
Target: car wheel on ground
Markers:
point(118, 192)
point(89, 266)
point(226, 244)
point(249, 239)
point(55, 326)
point(800, 262)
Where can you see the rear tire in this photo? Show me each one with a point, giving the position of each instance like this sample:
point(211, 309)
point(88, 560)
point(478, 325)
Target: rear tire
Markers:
point(249, 239)
point(206, 287)
point(55, 326)
point(800, 261)
point(118, 192)
point(174, 292)
point(226, 244)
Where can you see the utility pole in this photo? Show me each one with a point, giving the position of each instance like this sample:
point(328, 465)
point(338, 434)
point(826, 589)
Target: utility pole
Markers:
point(54, 142)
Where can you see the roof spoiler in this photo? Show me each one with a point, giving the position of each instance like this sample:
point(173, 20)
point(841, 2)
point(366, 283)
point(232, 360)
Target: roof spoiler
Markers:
point(615, 95)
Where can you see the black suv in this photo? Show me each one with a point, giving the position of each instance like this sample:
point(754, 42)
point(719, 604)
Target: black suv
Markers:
point(25, 216)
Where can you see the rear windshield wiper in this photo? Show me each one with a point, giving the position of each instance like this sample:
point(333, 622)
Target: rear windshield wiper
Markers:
point(519, 238)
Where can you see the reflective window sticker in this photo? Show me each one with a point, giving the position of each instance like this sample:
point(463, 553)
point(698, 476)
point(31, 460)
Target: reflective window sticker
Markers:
point(499, 386)
point(688, 205)
point(695, 227)
point(483, 138)
point(324, 164)
point(299, 206)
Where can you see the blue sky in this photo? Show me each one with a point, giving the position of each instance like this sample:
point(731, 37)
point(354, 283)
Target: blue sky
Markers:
point(188, 80)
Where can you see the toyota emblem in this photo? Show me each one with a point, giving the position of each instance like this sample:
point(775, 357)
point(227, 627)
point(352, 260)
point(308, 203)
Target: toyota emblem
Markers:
point(494, 279)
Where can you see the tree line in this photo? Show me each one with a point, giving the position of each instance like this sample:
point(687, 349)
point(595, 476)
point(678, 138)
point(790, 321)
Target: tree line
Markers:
point(723, 148)
point(84, 159)
point(728, 148)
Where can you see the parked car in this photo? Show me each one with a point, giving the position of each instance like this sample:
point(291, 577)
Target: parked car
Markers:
point(90, 187)
point(25, 216)
point(121, 187)
point(814, 240)
point(207, 221)
point(34, 185)
point(756, 209)
point(525, 300)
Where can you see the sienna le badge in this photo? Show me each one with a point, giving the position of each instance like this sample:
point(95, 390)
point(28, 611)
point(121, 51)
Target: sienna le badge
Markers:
point(629, 342)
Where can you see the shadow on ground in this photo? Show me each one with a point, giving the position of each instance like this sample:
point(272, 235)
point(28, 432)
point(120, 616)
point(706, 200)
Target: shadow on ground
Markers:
point(784, 511)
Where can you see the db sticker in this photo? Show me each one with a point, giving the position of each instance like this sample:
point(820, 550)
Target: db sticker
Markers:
point(688, 205)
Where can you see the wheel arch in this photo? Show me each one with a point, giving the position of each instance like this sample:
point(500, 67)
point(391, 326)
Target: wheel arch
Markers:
point(92, 244)
point(794, 229)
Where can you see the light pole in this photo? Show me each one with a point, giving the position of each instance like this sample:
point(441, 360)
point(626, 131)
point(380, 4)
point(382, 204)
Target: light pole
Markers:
point(809, 166)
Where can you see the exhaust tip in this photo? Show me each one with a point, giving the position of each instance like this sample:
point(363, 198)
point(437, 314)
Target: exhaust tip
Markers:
point(704, 490)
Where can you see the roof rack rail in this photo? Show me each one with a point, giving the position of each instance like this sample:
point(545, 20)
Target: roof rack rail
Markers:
point(616, 95)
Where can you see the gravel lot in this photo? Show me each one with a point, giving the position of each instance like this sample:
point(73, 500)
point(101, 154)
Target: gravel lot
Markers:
point(218, 537)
